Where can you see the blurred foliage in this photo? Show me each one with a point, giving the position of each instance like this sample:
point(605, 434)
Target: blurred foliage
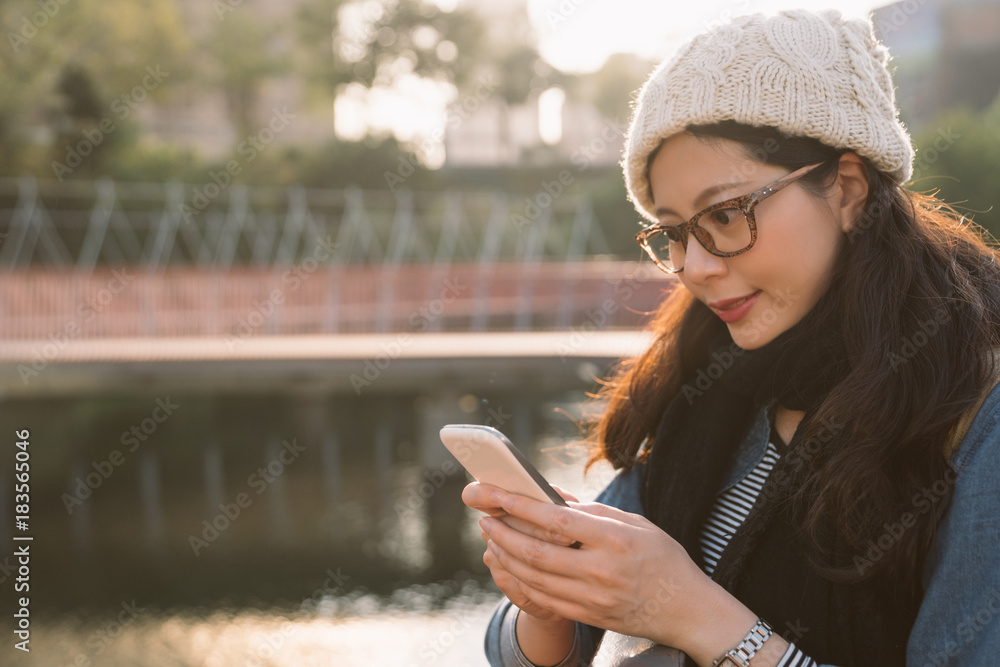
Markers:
point(375, 44)
point(613, 88)
point(76, 65)
point(71, 62)
point(242, 53)
point(960, 156)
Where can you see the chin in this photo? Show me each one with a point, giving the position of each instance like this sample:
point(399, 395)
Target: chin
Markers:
point(747, 342)
point(753, 335)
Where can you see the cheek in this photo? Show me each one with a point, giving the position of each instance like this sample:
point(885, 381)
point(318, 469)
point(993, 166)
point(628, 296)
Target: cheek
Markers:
point(800, 250)
point(793, 268)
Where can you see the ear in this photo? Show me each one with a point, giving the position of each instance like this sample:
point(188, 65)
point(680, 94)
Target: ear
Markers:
point(851, 189)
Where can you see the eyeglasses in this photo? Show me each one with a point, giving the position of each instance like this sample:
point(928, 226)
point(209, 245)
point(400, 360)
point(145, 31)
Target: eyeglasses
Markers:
point(725, 229)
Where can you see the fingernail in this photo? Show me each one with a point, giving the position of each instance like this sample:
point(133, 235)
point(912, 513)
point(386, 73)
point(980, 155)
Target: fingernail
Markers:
point(485, 523)
point(494, 548)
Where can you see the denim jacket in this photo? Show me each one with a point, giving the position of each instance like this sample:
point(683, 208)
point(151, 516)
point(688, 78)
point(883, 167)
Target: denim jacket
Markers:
point(958, 624)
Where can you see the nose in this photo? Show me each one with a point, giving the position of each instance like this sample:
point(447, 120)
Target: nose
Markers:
point(700, 265)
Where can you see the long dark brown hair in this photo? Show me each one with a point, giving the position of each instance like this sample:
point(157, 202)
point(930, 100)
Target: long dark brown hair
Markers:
point(920, 303)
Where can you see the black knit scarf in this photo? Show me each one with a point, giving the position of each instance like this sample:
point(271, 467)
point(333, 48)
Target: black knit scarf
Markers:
point(703, 426)
point(852, 623)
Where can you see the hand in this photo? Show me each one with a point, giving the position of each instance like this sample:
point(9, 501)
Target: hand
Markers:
point(629, 576)
point(483, 497)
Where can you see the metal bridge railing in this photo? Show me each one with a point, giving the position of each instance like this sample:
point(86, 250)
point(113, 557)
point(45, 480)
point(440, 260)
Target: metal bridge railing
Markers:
point(84, 225)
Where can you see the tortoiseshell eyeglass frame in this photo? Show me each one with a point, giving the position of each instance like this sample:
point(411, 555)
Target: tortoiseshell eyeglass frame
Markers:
point(744, 203)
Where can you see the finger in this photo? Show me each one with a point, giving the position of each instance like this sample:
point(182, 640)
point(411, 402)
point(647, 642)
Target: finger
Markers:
point(566, 495)
point(480, 496)
point(582, 526)
point(539, 554)
point(613, 513)
point(527, 578)
point(546, 516)
point(566, 607)
point(549, 532)
point(569, 604)
point(536, 531)
point(504, 580)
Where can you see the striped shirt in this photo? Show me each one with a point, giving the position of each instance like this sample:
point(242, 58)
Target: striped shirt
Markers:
point(731, 509)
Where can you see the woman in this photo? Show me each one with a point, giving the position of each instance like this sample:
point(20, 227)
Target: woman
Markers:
point(799, 480)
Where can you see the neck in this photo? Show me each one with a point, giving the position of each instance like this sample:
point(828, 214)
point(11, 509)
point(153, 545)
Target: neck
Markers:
point(784, 422)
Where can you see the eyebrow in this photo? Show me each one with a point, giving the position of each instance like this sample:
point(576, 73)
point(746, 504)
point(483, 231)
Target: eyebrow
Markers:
point(699, 201)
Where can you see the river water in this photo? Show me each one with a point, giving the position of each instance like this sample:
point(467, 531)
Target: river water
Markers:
point(440, 624)
point(385, 634)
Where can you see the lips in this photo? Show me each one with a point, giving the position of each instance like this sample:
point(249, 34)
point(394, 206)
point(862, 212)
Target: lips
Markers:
point(731, 311)
point(725, 304)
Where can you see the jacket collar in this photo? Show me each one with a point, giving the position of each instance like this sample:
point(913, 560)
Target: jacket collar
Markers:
point(751, 451)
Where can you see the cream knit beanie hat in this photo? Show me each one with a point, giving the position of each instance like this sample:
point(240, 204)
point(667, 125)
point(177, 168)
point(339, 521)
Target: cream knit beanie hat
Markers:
point(807, 74)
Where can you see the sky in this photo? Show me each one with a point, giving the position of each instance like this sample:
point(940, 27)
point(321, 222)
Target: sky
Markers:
point(578, 35)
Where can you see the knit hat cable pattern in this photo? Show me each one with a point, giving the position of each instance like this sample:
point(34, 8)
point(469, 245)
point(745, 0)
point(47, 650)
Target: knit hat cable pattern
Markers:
point(807, 74)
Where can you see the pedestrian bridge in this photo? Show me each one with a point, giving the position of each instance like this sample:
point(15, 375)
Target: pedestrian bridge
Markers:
point(341, 326)
point(115, 283)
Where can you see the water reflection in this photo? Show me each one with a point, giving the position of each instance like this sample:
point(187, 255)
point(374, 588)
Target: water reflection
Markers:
point(414, 627)
point(376, 562)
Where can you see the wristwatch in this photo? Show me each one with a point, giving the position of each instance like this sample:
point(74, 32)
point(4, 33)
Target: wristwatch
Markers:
point(742, 654)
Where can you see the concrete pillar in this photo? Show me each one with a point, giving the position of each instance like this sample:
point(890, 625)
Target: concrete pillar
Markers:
point(312, 416)
point(446, 514)
point(151, 498)
point(277, 500)
point(521, 427)
point(211, 465)
point(331, 471)
point(80, 518)
point(383, 445)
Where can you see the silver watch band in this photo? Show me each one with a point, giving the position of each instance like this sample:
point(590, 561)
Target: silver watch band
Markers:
point(742, 654)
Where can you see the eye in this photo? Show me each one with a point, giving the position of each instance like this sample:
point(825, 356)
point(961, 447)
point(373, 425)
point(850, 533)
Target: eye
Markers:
point(674, 234)
point(725, 216)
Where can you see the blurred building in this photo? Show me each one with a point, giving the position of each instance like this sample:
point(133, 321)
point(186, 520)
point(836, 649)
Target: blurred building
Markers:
point(946, 53)
point(198, 119)
point(492, 133)
point(497, 134)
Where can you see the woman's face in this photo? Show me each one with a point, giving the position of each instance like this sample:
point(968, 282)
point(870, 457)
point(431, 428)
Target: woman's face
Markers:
point(798, 236)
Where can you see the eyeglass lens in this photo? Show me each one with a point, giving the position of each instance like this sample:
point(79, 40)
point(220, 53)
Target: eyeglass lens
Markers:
point(723, 230)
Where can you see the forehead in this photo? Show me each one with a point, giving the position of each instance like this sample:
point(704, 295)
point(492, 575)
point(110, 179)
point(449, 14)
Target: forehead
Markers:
point(684, 166)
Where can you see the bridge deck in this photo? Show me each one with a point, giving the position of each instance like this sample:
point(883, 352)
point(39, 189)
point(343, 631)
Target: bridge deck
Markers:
point(582, 342)
point(58, 307)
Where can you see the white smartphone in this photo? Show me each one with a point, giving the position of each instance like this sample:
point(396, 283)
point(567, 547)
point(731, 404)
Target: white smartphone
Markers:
point(492, 459)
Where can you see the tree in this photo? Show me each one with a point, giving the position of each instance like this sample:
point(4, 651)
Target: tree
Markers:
point(374, 43)
point(380, 44)
point(960, 154)
point(69, 63)
point(613, 87)
point(244, 53)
